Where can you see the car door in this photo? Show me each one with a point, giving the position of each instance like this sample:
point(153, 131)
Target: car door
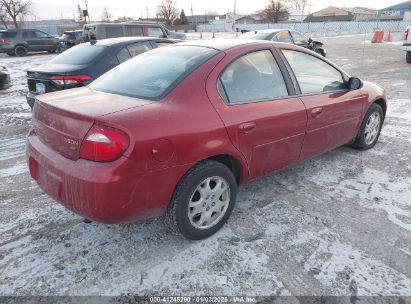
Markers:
point(46, 41)
point(254, 100)
point(334, 112)
point(33, 42)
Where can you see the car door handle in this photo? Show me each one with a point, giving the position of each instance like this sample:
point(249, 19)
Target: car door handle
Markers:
point(317, 111)
point(247, 127)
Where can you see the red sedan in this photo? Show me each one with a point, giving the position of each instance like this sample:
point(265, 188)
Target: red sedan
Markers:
point(177, 129)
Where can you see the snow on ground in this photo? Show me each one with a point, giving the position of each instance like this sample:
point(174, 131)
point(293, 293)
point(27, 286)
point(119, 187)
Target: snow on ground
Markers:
point(339, 224)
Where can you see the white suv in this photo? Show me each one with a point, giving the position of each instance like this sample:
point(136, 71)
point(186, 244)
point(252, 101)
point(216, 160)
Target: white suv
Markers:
point(407, 43)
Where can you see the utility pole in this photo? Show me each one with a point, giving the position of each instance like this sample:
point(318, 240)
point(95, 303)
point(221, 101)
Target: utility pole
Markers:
point(192, 15)
point(147, 12)
point(235, 7)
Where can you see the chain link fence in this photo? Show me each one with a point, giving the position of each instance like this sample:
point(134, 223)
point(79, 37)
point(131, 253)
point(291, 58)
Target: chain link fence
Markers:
point(317, 28)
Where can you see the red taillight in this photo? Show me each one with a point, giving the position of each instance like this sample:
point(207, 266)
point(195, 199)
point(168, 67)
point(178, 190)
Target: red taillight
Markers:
point(4, 40)
point(407, 32)
point(73, 79)
point(103, 144)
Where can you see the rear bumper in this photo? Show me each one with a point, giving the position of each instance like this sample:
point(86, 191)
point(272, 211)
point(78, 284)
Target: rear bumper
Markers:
point(5, 48)
point(105, 192)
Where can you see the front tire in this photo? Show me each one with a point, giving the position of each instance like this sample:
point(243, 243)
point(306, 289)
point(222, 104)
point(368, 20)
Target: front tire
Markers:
point(370, 128)
point(408, 57)
point(203, 200)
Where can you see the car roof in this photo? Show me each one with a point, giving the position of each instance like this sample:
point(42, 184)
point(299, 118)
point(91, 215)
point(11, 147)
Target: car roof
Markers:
point(120, 40)
point(225, 44)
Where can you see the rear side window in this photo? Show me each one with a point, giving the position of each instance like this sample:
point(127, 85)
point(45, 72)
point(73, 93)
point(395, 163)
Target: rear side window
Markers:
point(8, 34)
point(153, 74)
point(253, 77)
point(114, 31)
point(139, 48)
point(123, 55)
point(313, 74)
point(79, 55)
point(135, 31)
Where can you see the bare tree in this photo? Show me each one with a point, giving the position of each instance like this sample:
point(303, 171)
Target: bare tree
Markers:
point(299, 5)
point(14, 9)
point(275, 11)
point(106, 16)
point(168, 11)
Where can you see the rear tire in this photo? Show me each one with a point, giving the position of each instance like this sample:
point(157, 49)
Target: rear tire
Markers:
point(202, 201)
point(408, 57)
point(370, 128)
point(20, 51)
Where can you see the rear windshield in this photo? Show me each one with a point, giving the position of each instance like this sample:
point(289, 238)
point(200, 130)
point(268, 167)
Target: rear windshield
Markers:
point(79, 55)
point(254, 35)
point(8, 34)
point(153, 74)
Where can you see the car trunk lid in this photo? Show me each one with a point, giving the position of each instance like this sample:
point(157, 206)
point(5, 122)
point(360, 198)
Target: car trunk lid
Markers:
point(62, 119)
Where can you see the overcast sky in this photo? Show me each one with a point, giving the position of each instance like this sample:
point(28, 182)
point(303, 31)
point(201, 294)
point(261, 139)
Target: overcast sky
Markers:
point(55, 9)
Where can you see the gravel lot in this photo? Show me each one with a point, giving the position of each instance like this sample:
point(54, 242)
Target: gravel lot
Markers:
point(339, 224)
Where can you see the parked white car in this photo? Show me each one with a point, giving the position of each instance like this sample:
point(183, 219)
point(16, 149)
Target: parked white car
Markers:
point(407, 43)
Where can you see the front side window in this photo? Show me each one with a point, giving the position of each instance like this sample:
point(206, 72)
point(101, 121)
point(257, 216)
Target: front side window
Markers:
point(253, 77)
point(40, 34)
point(283, 36)
point(153, 74)
point(313, 74)
point(155, 32)
point(298, 38)
point(139, 48)
point(29, 34)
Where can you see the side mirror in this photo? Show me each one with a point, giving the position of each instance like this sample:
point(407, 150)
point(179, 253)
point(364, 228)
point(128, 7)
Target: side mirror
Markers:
point(354, 83)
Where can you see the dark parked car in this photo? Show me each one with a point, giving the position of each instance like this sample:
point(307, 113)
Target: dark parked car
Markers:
point(4, 78)
point(85, 62)
point(177, 129)
point(70, 39)
point(22, 41)
point(287, 36)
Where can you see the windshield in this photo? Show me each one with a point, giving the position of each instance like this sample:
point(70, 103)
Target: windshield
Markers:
point(254, 35)
point(79, 55)
point(153, 74)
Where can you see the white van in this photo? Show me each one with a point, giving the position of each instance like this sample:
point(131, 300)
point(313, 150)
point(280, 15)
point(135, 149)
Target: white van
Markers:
point(98, 31)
